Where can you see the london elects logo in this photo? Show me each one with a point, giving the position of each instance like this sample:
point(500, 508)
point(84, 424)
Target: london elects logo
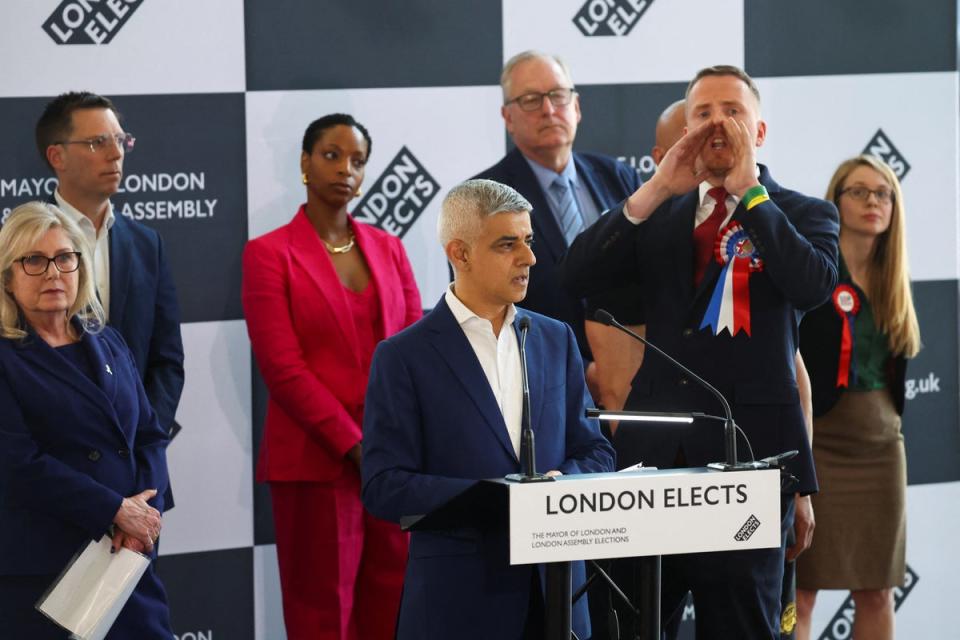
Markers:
point(840, 626)
point(881, 147)
point(610, 17)
point(399, 195)
point(748, 529)
point(89, 21)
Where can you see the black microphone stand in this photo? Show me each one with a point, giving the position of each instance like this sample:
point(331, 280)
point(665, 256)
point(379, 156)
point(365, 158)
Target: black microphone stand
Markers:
point(729, 427)
point(528, 454)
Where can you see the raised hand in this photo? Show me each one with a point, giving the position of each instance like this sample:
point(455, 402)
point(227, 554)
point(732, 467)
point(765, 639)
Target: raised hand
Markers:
point(743, 174)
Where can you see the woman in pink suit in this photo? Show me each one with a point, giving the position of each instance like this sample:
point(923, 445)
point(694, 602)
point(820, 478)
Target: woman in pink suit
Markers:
point(318, 294)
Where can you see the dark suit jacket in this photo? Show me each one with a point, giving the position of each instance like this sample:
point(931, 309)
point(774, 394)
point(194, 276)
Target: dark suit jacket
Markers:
point(432, 428)
point(820, 334)
point(609, 182)
point(70, 449)
point(144, 309)
point(796, 236)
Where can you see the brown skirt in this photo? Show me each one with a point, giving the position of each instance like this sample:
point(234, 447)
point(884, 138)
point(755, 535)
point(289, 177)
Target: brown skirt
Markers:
point(860, 537)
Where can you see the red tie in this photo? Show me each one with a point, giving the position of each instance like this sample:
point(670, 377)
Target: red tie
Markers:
point(705, 235)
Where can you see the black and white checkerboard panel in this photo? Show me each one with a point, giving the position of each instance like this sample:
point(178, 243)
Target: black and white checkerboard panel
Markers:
point(219, 94)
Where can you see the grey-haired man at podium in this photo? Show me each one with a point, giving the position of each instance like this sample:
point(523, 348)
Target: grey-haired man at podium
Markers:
point(443, 410)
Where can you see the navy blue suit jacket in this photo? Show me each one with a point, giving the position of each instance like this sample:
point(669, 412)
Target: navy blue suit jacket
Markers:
point(432, 428)
point(609, 182)
point(71, 449)
point(144, 309)
point(796, 236)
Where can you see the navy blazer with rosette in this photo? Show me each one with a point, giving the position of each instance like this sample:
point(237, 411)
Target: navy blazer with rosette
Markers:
point(796, 237)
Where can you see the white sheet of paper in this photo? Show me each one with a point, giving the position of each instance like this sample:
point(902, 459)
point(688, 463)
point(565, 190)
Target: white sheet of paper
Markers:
point(88, 597)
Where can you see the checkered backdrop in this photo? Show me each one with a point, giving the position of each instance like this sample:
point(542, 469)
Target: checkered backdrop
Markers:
point(219, 92)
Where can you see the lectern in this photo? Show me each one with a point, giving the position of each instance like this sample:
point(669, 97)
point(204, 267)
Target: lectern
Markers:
point(615, 515)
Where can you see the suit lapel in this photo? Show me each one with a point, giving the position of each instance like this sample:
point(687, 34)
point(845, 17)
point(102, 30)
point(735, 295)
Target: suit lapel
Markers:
point(600, 196)
point(308, 251)
point(121, 248)
point(546, 231)
point(451, 344)
point(377, 256)
point(680, 242)
point(535, 369)
point(100, 391)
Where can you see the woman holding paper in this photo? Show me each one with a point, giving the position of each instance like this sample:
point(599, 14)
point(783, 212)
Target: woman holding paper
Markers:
point(81, 451)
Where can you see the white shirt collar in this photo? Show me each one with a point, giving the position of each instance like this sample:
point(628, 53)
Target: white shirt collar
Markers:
point(463, 314)
point(79, 216)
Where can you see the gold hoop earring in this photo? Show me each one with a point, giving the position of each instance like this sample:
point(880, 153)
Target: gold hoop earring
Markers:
point(303, 178)
point(358, 193)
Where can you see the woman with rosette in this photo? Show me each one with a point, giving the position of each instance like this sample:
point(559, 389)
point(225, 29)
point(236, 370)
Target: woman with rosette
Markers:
point(855, 347)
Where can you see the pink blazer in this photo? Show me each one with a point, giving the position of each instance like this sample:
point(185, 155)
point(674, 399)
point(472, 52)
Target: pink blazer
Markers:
point(307, 348)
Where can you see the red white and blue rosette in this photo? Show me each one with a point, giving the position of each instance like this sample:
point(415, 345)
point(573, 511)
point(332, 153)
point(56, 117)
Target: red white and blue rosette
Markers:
point(729, 306)
point(846, 303)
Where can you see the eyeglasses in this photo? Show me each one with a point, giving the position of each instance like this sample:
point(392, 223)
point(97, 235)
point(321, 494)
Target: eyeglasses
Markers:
point(123, 140)
point(533, 101)
point(37, 265)
point(862, 193)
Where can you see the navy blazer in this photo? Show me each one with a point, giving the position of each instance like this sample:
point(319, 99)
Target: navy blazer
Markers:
point(144, 309)
point(609, 181)
point(71, 448)
point(796, 236)
point(432, 427)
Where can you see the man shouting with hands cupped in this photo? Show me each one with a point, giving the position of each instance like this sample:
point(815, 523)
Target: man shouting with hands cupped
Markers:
point(726, 258)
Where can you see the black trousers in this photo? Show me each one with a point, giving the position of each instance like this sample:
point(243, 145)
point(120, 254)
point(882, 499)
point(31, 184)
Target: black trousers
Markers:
point(736, 594)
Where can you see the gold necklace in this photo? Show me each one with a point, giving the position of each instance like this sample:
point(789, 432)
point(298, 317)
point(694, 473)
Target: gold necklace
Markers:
point(342, 248)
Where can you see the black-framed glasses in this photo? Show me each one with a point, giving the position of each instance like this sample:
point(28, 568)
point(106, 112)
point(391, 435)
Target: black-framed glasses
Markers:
point(862, 193)
point(37, 265)
point(532, 101)
point(125, 141)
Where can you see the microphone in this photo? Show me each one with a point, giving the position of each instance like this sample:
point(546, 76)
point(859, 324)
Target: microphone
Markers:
point(528, 454)
point(730, 427)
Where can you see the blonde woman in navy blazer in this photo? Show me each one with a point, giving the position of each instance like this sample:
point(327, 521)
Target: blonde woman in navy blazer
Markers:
point(81, 451)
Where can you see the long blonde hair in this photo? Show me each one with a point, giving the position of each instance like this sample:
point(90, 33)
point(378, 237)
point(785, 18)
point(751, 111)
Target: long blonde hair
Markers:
point(889, 287)
point(22, 230)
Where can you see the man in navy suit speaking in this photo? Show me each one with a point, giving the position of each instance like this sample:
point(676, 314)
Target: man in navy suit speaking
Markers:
point(79, 136)
point(443, 410)
point(726, 259)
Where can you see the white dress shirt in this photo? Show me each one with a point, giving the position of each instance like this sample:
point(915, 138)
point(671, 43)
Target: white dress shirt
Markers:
point(99, 245)
point(499, 358)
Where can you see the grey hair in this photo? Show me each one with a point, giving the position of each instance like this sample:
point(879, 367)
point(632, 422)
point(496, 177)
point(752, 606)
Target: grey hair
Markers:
point(524, 56)
point(468, 203)
point(23, 228)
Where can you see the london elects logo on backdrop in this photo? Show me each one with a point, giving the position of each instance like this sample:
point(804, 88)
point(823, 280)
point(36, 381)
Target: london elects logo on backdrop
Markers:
point(89, 21)
point(399, 195)
point(840, 626)
point(881, 147)
point(610, 17)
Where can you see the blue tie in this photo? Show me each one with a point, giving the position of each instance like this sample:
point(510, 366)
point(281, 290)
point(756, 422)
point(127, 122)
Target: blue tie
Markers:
point(571, 222)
